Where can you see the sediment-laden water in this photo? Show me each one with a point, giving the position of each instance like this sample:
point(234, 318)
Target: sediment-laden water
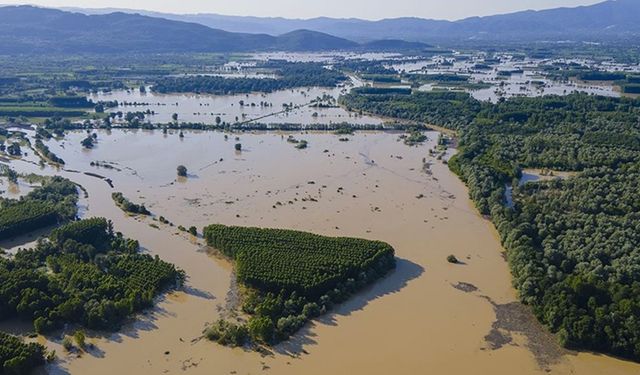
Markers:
point(429, 316)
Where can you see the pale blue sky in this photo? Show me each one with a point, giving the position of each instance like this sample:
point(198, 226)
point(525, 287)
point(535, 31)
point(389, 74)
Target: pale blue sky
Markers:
point(371, 9)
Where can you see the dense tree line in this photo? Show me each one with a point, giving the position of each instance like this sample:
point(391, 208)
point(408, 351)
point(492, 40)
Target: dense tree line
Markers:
point(83, 273)
point(632, 88)
point(290, 75)
point(574, 244)
point(55, 201)
point(365, 66)
point(293, 276)
point(71, 102)
point(450, 109)
point(382, 78)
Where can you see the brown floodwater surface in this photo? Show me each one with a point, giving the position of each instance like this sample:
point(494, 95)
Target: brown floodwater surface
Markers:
point(428, 316)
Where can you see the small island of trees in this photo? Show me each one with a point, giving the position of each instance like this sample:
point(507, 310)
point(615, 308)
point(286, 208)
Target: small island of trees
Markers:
point(292, 277)
point(127, 206)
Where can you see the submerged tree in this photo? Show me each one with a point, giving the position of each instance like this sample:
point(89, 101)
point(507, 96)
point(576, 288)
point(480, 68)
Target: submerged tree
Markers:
point(87, 142)
point(182, 171)
point(14, 149)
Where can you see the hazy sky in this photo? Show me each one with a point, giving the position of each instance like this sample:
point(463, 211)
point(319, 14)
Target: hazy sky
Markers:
point(371, 9)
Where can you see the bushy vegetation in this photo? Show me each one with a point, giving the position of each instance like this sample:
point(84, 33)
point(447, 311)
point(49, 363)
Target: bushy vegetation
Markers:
point(294, 276)
point(227, 333)
point(85, 274)
point(452, 259)
point(17, 357)
point(55, 201)
point(415, 137)
point(182, 171)
point(127, 206)
point(572, 244)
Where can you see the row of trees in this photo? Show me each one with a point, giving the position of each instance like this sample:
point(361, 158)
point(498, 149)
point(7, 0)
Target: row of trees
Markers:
point(445, 108)
point(46, 153)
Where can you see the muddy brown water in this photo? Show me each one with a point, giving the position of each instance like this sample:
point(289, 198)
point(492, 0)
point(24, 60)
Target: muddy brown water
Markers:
point(203, 108)
point(414, 321)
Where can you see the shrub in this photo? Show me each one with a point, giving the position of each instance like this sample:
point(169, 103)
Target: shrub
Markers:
point(182, 171)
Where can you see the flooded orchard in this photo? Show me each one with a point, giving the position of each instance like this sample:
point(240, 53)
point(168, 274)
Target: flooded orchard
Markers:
point(428, 315)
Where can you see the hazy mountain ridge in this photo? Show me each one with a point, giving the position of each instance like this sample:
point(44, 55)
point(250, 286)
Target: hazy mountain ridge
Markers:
point(610, 19)
point(28, 29)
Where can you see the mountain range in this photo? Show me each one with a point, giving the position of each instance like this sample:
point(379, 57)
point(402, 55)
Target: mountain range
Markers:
point(29, 29)
point(608, 20)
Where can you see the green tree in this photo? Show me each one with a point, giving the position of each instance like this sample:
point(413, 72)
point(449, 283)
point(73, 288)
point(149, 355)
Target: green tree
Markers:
point(80, 339)
point(261, 329)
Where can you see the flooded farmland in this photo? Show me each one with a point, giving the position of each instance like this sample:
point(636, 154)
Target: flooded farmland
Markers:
point(428, 314)
point(267, 108)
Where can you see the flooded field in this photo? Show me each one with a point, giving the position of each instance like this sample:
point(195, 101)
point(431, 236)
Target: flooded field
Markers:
point(506, 79)
point(262, 108)
point(428, 315)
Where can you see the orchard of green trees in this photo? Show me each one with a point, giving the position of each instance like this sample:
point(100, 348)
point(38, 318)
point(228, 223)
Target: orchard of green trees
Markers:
point(292, 277)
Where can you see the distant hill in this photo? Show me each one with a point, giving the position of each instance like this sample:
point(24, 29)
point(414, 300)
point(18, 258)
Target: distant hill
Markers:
point(612, 19)
point(303, 40)
point(27, 29)
point(394, 45)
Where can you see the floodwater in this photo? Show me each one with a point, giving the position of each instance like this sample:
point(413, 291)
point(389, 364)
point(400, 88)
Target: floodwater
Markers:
point(428, 316)
point(205, 108)
point(15, 190)
point(527, 78)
